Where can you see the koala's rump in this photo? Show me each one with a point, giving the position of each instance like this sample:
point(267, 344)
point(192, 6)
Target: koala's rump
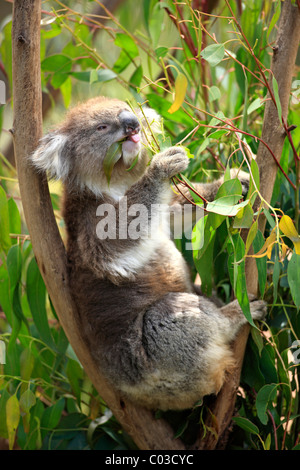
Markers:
point(159, 351)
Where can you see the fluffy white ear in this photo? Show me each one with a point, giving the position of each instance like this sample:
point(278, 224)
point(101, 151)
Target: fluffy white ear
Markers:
point(49, 156)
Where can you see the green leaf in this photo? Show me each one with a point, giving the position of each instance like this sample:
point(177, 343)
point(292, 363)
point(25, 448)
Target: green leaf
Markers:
point(52, 415)
point(213, 54)
point(12, 419)
point(103, 75)
point(244, 218)
point(126, 43)
point(5, 300)
point(136, 77)
point(236, 268)
point(122, 62)
point(231, 187)
point(113, 154)
point(161, 52)
point(226, 205)
point(254, 105)
point(275, 18)
point(26, 367)
point(217, 134)
point(27, 400)
point(15, 226)
point(254, 181)
point(217, 119)
point(264, 396)
point(129, 51)
point(204, 264)
point(251, 236)
point(214, 94)
point(156, 22)
point(277, 99)
point(133, 163)
point(5, 241)
point(66, 91)
point(36, 295)
point(246, 424)
point(293, 273)
point(57, 63)
point(14, 265)
point(58, 79)
point(74, 374)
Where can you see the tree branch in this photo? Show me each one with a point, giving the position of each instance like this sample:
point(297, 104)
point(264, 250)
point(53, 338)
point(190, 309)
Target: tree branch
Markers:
point(49, 250)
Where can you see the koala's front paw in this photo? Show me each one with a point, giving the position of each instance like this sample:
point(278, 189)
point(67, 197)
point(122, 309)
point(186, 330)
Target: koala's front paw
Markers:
point(170, 162)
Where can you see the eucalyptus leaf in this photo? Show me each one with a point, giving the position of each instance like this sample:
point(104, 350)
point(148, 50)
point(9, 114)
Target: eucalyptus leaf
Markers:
point(226, 205)
point(246, 424)
point(12, 418)
point(236, 268)
point(112, 156)
point(264, 396)
point(5, 241)
point(36, 295)
point(293, 272)
point(277, 98)
point(213, 54)
point(57, 63)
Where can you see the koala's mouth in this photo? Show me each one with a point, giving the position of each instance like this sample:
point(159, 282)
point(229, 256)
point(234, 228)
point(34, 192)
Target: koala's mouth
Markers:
point(131, 146)
point(135, 138)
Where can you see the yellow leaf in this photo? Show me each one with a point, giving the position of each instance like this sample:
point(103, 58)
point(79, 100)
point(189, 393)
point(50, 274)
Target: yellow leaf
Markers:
point(284, 249)
point(267, 248)
point(180, 90)
point(288, 229)
point(12, 418)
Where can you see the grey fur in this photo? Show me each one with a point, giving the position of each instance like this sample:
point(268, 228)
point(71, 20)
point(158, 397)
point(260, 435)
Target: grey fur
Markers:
point(158, 342)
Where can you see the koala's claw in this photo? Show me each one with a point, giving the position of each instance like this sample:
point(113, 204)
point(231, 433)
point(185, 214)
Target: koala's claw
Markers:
point(170, 162)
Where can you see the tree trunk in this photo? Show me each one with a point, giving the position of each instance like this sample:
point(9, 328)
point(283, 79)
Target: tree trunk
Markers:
point(147, 432)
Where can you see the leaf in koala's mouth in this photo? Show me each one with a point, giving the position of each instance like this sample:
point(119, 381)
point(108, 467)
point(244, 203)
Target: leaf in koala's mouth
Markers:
point(133, 163)
point(113, 154)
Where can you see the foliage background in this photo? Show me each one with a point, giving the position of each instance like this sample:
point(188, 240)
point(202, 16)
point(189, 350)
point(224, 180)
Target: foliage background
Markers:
point(141, 53)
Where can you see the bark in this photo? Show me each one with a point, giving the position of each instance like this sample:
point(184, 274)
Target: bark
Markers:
point(273, 133)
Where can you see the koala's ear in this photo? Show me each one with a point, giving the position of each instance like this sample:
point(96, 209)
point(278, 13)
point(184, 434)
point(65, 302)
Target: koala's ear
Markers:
point(50, 156)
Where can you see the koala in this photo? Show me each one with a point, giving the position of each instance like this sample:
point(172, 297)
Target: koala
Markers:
point(159, 343)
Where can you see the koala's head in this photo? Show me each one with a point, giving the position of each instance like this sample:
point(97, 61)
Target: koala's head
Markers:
point(75, 151)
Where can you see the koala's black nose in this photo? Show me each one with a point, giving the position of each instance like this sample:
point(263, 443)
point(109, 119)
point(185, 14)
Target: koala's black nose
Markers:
point(129, 122)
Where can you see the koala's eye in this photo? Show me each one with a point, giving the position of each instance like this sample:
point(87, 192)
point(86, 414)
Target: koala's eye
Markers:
point(101, 127)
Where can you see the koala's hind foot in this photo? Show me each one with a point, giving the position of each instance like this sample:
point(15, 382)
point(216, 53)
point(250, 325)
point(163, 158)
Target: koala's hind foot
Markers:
point(233, 310)
point(258, 309)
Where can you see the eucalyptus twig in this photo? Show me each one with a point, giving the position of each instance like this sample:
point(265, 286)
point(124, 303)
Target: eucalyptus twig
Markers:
point(185, 183)
point(182, 194)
